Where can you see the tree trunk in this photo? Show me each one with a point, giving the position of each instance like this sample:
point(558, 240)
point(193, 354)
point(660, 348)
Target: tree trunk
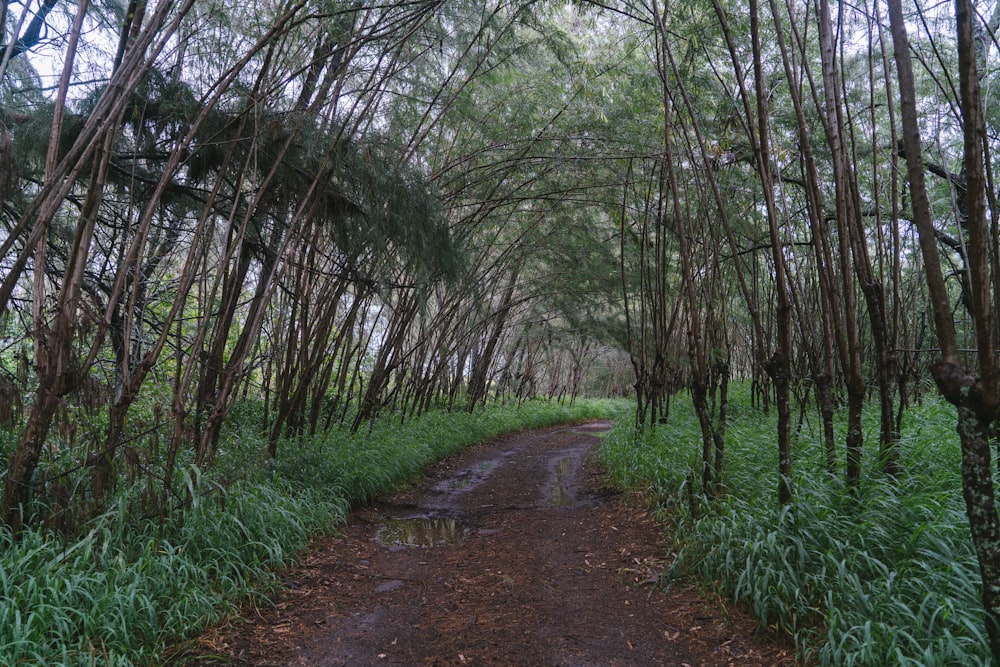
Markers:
point(478, 379)
point(24, 459)
point(975, 399)
point(778, 366)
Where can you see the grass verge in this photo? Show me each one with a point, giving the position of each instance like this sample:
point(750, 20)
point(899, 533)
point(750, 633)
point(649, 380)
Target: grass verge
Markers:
point(884, 576)
point(131, 587)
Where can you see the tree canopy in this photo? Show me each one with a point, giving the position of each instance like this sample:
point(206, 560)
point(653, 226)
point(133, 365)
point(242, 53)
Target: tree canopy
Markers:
point(347, 209)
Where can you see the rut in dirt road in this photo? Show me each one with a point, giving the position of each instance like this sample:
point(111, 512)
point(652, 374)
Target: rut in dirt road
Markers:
point(513, 553)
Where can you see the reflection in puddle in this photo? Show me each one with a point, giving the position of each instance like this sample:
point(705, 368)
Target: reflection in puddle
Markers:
point(561, 493)
point(598, 428)
point(421, 532)
point(466, 479)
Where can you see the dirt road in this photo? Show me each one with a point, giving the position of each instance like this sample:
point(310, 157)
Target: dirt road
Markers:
point(513, 553)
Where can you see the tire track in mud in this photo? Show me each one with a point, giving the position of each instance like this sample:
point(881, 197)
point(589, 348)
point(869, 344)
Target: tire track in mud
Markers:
point(511, 553)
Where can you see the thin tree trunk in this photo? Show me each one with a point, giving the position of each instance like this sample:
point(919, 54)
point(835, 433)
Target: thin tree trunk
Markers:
point(478, 380)
point(975, 399)
point(778, 366)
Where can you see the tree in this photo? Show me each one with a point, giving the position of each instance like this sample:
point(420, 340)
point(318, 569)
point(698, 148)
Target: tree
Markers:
point(977, 399)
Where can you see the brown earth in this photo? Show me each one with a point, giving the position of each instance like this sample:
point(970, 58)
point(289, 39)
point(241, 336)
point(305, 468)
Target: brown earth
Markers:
point(534, 562)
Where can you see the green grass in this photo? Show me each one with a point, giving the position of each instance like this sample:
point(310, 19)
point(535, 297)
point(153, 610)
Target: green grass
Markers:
point(886, 576)
point(124, 590)
point(128, 588)
point(362, 471)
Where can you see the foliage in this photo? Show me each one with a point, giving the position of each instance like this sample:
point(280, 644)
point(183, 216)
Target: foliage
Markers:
point(128, 587)
point(882, 575)
point(345, 210)
point(316, 205)
point(131, 586)
point(348, 463)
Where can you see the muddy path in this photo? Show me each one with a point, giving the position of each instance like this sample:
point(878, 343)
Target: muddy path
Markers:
point(512, 553)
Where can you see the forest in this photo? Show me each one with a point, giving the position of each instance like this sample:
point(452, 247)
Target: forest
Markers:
point(253, 252)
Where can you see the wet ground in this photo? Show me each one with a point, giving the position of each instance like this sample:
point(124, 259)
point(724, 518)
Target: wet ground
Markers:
point(513, 553)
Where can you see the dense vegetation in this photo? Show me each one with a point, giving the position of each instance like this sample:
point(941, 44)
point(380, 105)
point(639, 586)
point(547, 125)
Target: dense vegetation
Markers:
point(881, 575)
point(347, 212)
point(130, 587)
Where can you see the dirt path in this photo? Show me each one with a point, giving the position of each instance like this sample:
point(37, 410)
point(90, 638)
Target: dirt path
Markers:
point(533, 562)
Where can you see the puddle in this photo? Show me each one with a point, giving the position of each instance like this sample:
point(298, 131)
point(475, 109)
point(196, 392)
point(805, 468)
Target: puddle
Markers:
point(468, 478)
point(593, 427)
point(561, 492)
point(421, 532)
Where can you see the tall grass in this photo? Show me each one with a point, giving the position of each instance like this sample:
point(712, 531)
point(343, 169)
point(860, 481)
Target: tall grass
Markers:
point(883, 576)
point(129, 587)
point(125, 589)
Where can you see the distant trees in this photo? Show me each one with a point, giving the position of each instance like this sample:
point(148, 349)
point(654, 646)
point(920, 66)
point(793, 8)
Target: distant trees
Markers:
point(307, 204)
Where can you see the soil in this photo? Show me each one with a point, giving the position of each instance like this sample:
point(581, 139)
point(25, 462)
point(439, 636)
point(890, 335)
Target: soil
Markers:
point(512, 553)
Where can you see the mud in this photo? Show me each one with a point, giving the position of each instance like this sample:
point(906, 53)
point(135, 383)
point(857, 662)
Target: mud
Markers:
point(513, 553)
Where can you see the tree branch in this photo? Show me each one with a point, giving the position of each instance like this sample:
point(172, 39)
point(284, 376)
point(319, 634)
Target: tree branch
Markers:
point(33, 33)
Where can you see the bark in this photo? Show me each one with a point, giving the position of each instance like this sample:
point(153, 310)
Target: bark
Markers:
point(24, 459)
point(58, 372)
point(391, 356)
point(778, 366)
point(824, 401)
point(479, 377)
point(920, 203)
point(234, 370)
point(975, 432)
point(978, 404)
point(711, 439)
point(32, 35)
point(975, 399)
point(719, 431)
point(853, 254)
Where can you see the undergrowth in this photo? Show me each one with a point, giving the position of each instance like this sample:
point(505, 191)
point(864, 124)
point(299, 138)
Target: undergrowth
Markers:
point(131, 587)
point(882, 576)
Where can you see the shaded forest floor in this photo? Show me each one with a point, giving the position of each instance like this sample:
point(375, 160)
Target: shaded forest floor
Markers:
point(511, 553)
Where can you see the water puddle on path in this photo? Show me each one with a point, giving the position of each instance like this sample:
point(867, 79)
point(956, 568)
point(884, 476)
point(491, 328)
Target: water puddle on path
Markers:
point(561, 492)
point(467, 479)
point(593, 428)
point(421, 532)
